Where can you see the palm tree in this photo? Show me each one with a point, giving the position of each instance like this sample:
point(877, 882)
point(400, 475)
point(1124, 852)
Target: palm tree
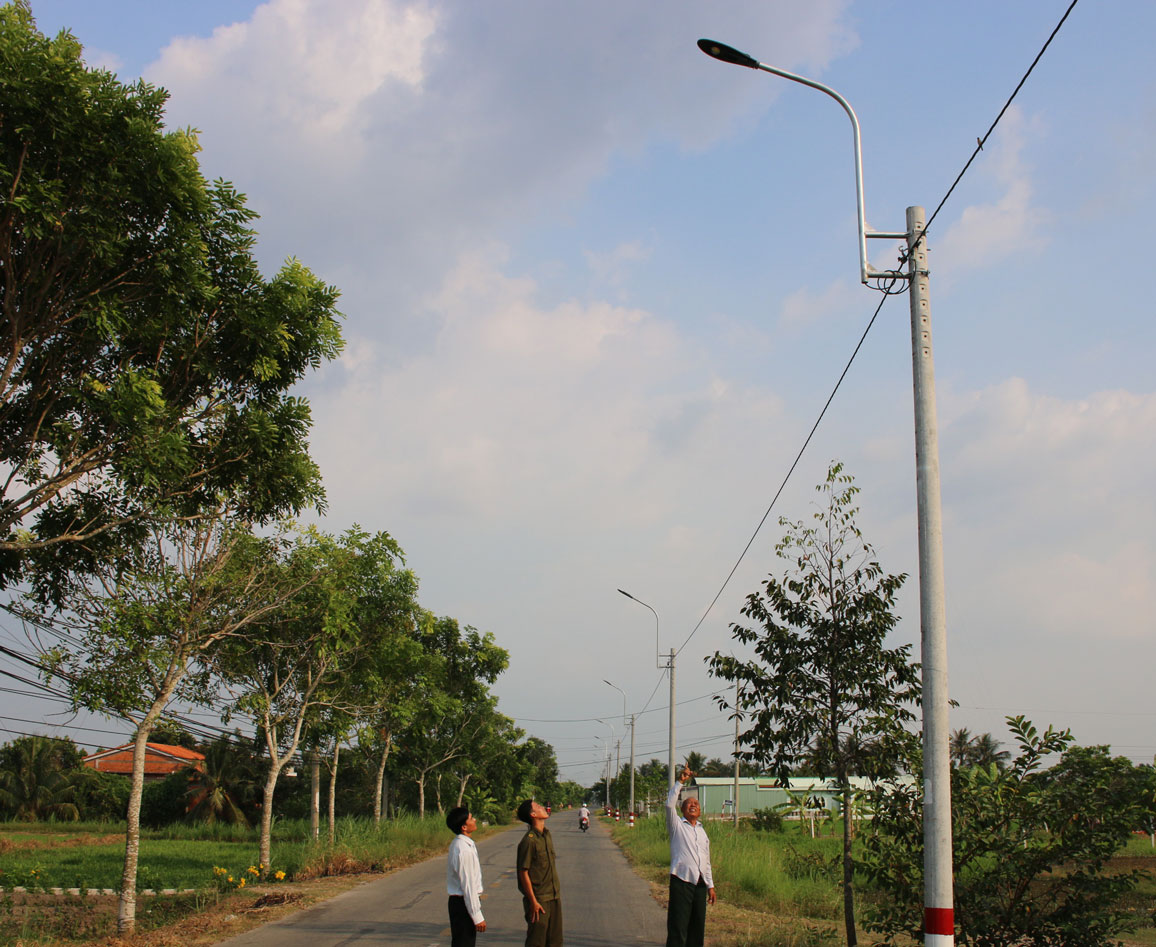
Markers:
point(961, 747)
point(985, 750)
point(695, 762)
point(32, 784)
point(221, 788)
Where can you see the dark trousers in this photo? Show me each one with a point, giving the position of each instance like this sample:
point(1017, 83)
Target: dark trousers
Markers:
point(463, 933)
point(547, 930)
point(686, 913)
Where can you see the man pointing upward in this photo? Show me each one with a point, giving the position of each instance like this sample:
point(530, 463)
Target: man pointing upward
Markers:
point(691, 880)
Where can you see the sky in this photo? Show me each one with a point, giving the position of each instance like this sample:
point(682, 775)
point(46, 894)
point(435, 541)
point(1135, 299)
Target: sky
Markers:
point(597, 288)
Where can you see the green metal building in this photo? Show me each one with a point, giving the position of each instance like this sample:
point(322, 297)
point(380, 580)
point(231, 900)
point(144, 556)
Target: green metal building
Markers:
point(716, 794)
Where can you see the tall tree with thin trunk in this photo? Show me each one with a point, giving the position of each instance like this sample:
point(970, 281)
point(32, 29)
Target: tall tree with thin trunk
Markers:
point(822, 687)
point(296, 670)
point(458, 704)
point(135, 633)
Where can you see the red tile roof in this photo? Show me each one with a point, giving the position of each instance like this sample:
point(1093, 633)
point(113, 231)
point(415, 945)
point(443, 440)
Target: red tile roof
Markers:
point(160, 759)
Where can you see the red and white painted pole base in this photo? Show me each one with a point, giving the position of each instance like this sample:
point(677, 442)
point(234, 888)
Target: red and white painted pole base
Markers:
point(938, 927)
point(632, 820)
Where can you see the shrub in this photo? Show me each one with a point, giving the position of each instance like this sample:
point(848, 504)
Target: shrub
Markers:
point(1030, 847)
point(768, 820)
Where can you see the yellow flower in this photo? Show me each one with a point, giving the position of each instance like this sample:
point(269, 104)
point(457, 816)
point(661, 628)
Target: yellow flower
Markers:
point(279, 875)
point(251, 870)
point(240, 884)
point(229, 878)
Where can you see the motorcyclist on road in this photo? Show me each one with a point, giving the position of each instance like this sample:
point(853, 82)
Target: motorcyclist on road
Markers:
point(583, 816)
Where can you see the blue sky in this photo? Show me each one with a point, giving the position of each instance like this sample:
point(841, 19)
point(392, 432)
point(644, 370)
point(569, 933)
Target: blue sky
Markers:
point(598, 287)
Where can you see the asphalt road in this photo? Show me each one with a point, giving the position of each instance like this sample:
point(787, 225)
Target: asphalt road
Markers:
point(604, 904)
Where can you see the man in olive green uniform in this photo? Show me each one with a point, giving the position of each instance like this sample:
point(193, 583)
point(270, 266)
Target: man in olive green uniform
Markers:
point(538, 879)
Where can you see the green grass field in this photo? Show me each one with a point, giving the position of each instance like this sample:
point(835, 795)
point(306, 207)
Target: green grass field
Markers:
point(48, 855)
point(791, 881)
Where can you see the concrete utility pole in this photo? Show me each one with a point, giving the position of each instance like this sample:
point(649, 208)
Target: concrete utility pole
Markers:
point(736, 800)
point(632, 716)
point(670, 751)
point(668, 666)
point(938, 912)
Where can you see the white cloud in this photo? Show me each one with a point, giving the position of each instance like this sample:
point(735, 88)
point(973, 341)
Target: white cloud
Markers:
point(1052, 514)
point(596, 412)
point(1007, 226)
point(805, 306)
point(381, 144)
point(296, 73)
point(102, 59)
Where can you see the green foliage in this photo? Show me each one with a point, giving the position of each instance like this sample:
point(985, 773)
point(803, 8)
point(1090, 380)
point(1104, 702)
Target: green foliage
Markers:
point(226, 786)
point(165, 801)
point(982, 750)
point(822, 691)
point(101, 797)
point(1031, 847)
point(768, 820)
point(145, 360)
point(760, 870)
point(35, 779)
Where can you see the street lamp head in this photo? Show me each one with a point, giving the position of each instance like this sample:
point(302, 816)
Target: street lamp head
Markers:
point(725, 53)
point(627, 594)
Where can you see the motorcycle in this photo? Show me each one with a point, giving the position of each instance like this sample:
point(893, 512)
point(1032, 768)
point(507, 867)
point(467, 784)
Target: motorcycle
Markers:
point(583, 823)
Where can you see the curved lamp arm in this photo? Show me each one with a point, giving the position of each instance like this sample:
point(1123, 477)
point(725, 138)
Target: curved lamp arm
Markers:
point(729, 54)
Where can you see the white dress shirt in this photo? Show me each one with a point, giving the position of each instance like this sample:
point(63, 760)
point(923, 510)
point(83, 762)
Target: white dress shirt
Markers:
point(689, 845)
point(464, 875)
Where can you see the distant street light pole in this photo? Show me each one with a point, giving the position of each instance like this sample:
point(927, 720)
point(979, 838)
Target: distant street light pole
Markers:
point(938, 912)
point(613, 737)
point(670, 667)
point(623, 693)
point(605, 768)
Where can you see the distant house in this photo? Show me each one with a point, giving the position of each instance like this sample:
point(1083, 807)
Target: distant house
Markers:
point(716, 795)
point(161, 759)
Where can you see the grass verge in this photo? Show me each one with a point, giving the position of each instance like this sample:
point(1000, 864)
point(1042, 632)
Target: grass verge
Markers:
point(225, 903)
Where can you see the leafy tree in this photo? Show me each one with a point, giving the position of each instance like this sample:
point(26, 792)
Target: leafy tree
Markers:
point(287, 674)
point(147, 623)
point(35, 779)
point(539, 756)
point(1030, 847)
point(822, 684)
point(571, 794)
point(492, 751)
point(165, 801)
point(458, 704)
point(393, 676)
point(145, 362)
point(101, 797)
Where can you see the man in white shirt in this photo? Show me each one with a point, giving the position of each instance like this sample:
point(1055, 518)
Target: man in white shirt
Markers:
point(691, 880)
point(464, 880)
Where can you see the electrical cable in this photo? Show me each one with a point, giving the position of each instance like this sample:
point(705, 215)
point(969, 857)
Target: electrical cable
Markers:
point(791, 470)
point(981, 141)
